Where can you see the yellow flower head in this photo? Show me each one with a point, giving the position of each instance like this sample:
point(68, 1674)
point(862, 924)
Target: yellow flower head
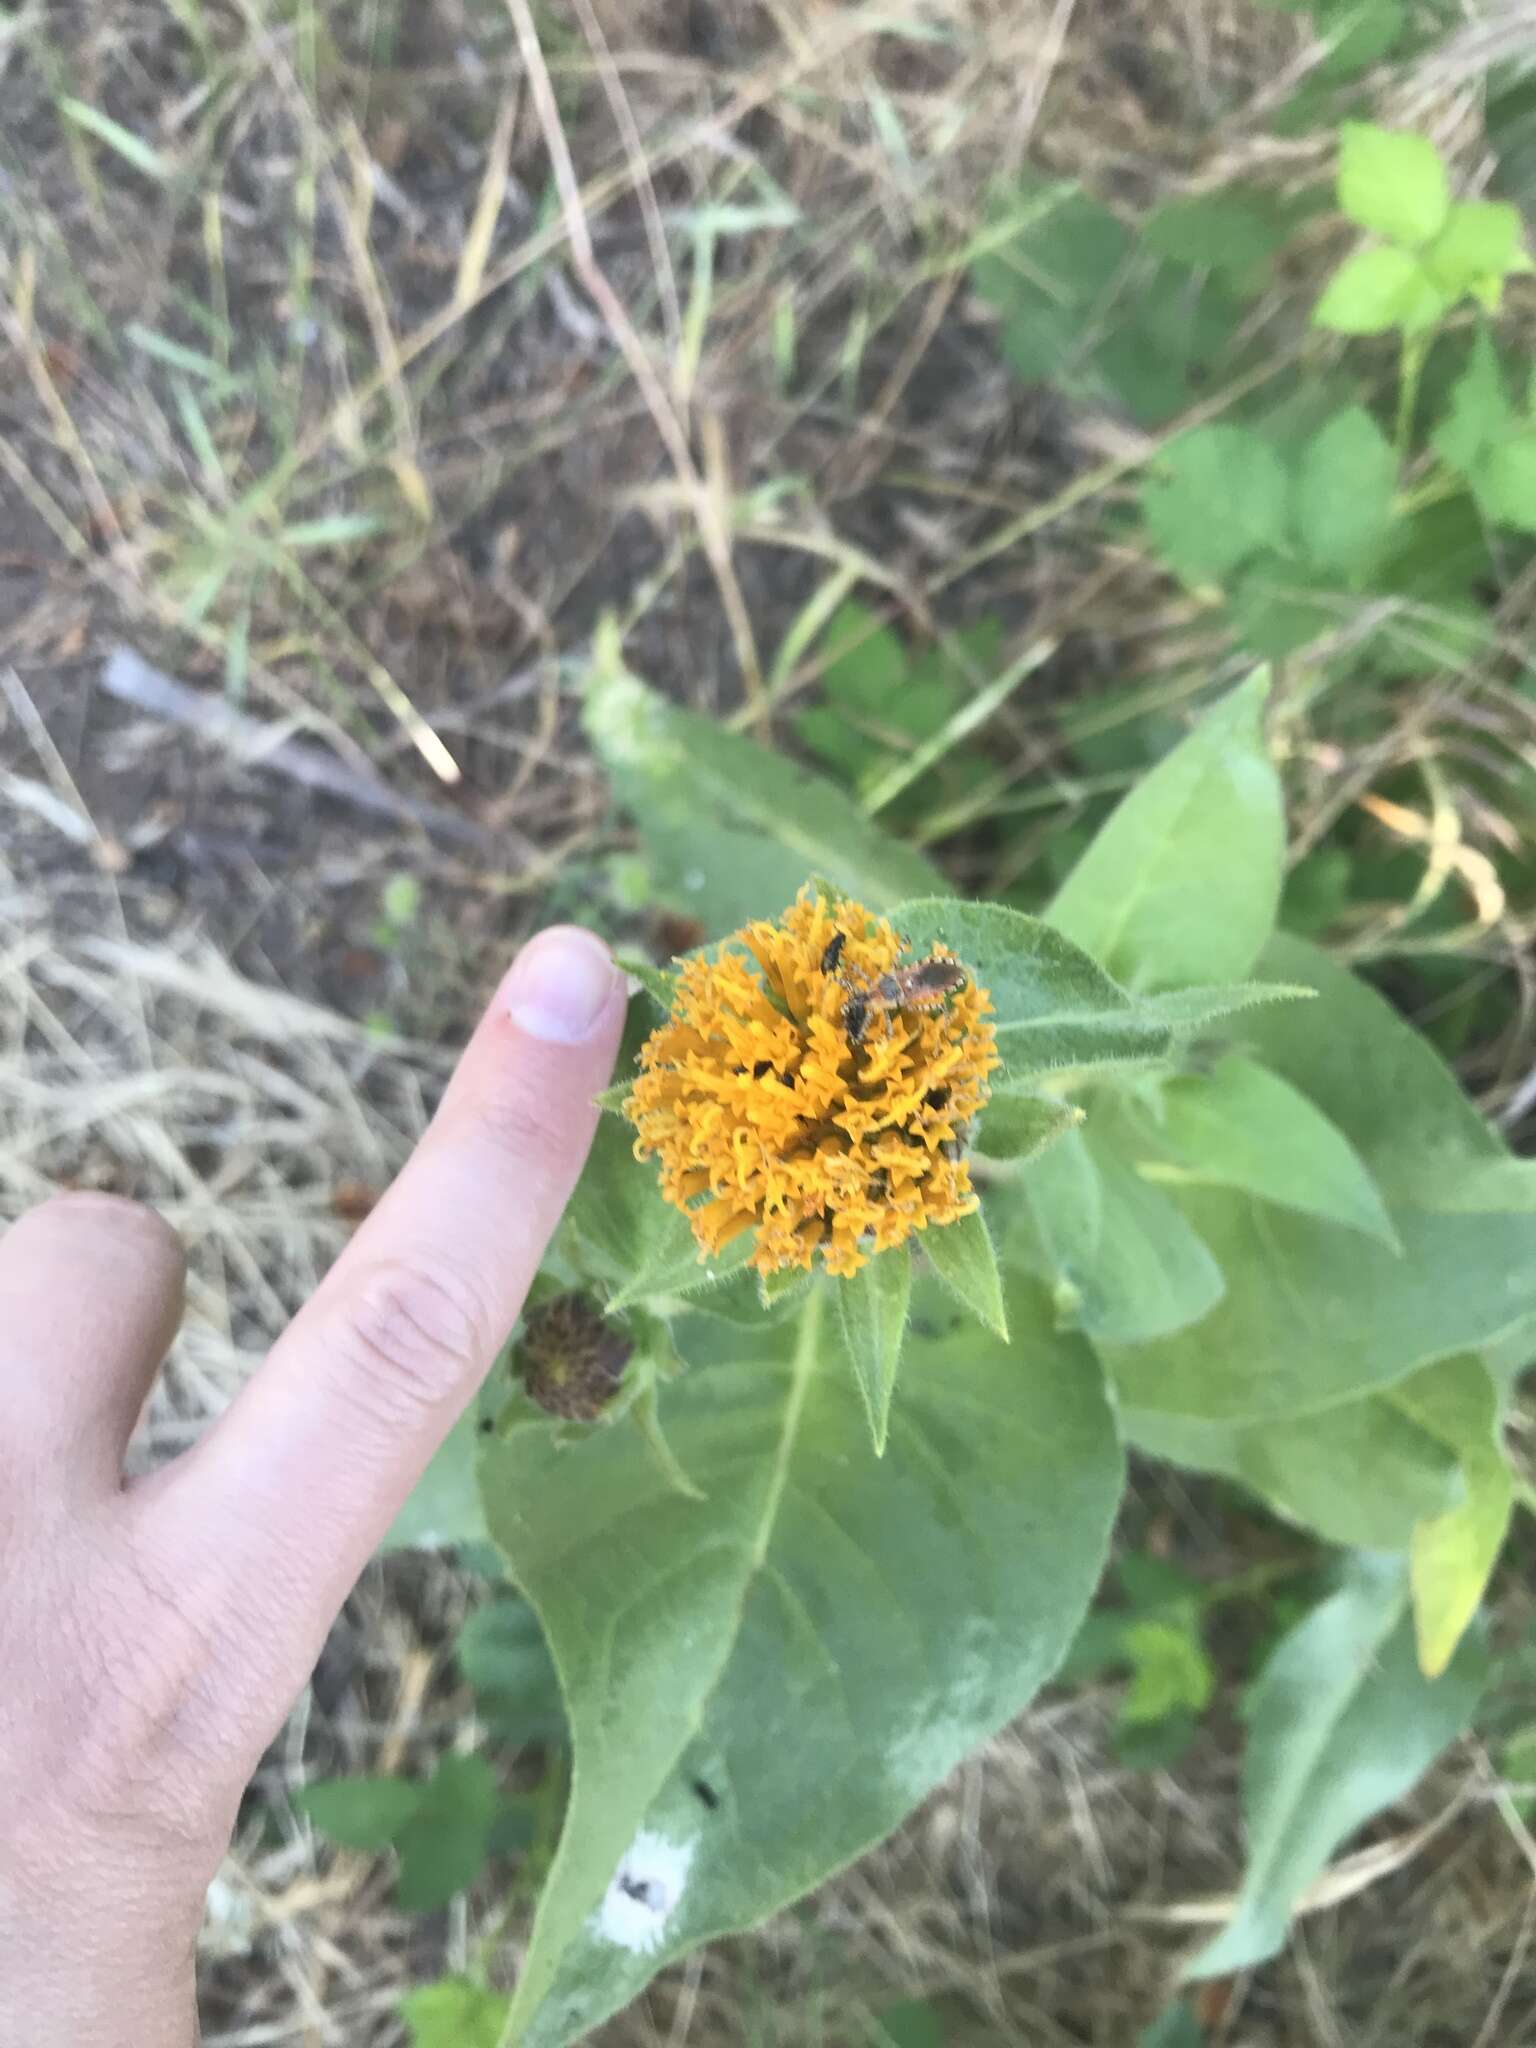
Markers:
point(795, 1098)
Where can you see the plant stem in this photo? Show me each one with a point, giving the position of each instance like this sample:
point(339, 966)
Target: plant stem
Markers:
point(1415, 352)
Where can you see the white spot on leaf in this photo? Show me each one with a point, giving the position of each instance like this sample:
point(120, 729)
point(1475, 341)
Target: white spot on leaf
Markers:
point(644, 1892)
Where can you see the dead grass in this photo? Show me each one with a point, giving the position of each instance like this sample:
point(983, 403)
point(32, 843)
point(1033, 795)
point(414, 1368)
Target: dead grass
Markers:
point(317, 389)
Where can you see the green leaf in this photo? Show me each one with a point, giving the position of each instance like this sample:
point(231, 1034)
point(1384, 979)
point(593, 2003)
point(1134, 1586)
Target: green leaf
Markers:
point(1394, 184)
point(872, 1313)
point(1360, 1475)
point(1314, 1316)
point(1124, 1264)
point(360, 1813)
point(1341, 1724)
point(455, 2014)
point(1481, 415)
point(806, 1610)
point(1376, 290)
point(1506, 485)
point(1189, 1012)
point(1182, 882)
point(1453, 1553)
point(1017, 1125)
point(1361, 32)
point(1223, 497)
point(133, 149)
point(443, 1509)
point(964, 1258)
point(1240, 1126)
point(1344, 493)
point(1374, 1076)
point(1477, 249)
point(443, 1846)
point(1231, 229)
point(1054, 1006)
point(1170, 1671)
point(913, 2024)
point(504, 1657)
point(659, 984)
point(730, 828)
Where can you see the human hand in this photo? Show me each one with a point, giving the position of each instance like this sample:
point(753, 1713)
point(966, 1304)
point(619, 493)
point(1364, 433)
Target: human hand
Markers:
point(154, 1634)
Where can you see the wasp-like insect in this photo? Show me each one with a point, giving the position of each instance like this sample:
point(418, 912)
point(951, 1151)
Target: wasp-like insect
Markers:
point(922, 986)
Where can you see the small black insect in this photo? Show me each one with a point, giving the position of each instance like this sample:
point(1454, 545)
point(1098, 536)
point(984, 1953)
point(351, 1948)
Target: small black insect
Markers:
point(707, 1793)
point(643, 1890)
point(936, 1098)
point(834, 952)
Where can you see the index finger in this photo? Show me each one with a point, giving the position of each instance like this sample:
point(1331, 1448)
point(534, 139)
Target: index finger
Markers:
point(294, 1487)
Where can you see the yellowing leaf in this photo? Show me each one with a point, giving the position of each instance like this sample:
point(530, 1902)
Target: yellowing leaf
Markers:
point(1452, 1555)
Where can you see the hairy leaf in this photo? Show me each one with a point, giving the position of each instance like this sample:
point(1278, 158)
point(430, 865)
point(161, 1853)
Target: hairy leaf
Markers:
point(1340, 1724)
point(807, 1609)
point(872, 1314)
point(1182, 883)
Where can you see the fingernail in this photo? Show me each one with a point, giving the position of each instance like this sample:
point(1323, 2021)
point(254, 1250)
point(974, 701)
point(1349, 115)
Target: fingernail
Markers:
point(561, 984)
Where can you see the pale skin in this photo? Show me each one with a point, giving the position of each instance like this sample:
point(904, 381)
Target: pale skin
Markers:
point(154, 1634)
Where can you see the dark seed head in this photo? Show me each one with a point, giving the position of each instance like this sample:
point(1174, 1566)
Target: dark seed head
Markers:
point(570, 1358)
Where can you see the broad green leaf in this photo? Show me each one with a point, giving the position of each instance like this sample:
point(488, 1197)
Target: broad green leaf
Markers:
point(1360, 33)
point(1453, 1553)
point(443, 1508)
point(731, 828)
point(1123, 1262)
point(1341, 1723)
point(1493, 1184)
point(806, 1610)
point(1481, 414)
point(455, 2014)
point(1240, 1126)
point(1231, 229)
point(1393, 184)
point(1053, 1006)
point(1223, 496)
point(444, 1844)
point(1362, 1475)
point(1055, 266)
point(1506, 482)
point(1344, 493)
point(1189, 1011)
point(1181, 884)
point(1477, 249)
point(963, 1256)
point(1017, 1125)
point(1374, 1076)
point(1170, 1670)
point(360, 1813)
point(1378, 289)
point(872, 1314)
point(1314, 1316)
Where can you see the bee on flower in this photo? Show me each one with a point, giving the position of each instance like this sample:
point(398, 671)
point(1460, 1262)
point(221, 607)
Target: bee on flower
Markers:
point(815, 1089)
